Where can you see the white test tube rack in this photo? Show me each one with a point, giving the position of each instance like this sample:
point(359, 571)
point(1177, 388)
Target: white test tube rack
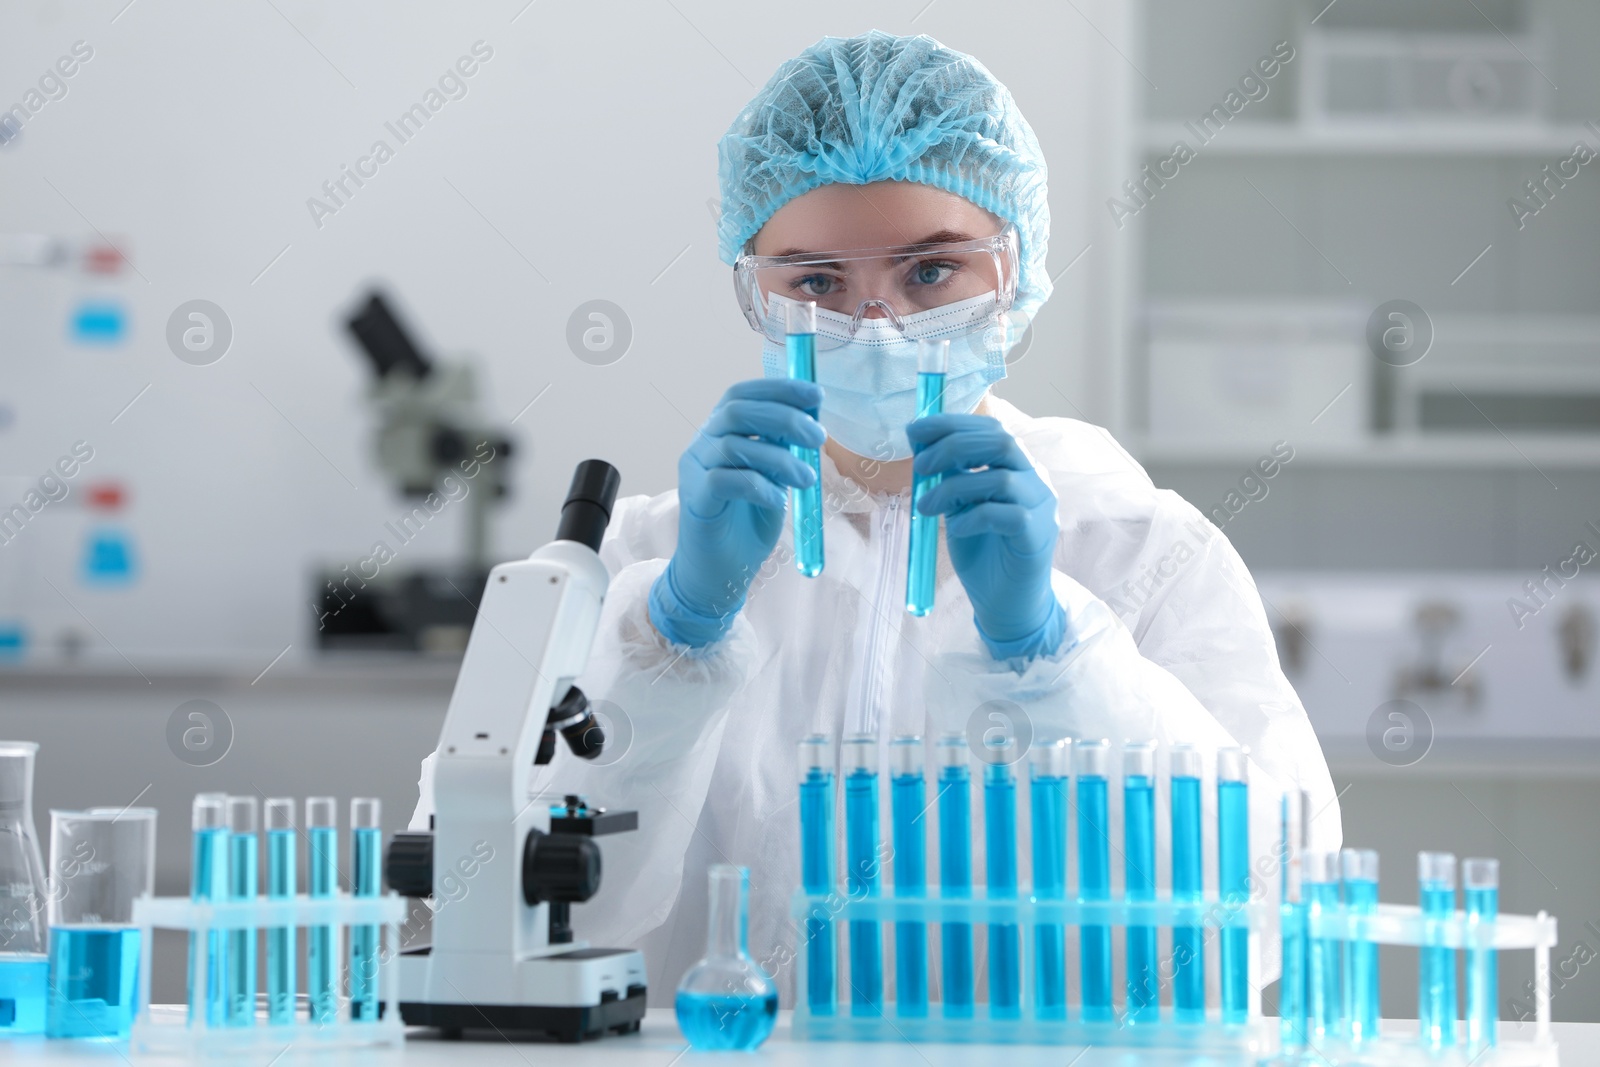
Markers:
point(1254, 1035)
point(194, 1036)
point(1405, 925)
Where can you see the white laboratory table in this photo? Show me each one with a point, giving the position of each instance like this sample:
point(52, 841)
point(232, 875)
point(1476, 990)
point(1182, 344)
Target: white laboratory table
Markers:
point(659, 1044)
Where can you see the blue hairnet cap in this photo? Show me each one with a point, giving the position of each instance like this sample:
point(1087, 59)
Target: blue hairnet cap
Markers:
point(877, 107)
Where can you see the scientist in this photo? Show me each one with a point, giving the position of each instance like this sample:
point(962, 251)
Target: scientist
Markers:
point(893, 181)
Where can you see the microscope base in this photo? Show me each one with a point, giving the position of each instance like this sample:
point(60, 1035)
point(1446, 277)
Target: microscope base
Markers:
point(570, 977)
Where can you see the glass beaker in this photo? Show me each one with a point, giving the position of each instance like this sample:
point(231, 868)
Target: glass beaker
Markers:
point(23, 963)
point(101, 860)
point(726, 1001)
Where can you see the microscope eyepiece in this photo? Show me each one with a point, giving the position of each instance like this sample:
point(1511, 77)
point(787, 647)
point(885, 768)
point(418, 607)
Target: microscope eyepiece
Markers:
point(577, 725)
point(588, 507)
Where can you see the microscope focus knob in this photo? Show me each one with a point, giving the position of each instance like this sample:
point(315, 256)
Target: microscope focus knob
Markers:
point(559, 867)
point(409, 866)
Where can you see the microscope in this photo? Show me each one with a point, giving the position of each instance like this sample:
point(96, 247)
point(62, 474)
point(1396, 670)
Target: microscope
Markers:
point(503, 955)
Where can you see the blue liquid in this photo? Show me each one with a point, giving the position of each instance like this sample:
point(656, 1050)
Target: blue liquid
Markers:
point(1324, 992)
point(243, 877)
point(322, 942)
point(1000, 849)
point(1233, 885)
point(910, 880)
point(861, 880)
point(94, 981)
point(805, 505)
point(1139, 873)
point(717, 1023)
point(1048, 794)
point(1483, 979)
point(1361, 965)
point(365, 873)
point(816, 872)
point(280, 939)
point(1436, 971)
point(922, 561)
point(955, 877)
point(1094, 883)
point(1188, 942)
point(1292, 987)
point(24, 982)
point(210, 882)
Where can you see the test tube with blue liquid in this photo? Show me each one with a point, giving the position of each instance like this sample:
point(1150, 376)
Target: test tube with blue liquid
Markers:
point(1092, 766)
point(1324, 991)
point(955, 871)
point(922, 560)
point(1139, 876)
point(1188, 885)
point(244, 875)
point(1436, 964)
point(209, 881)
point(1000, 852)
point(1233, 878)
point(366, 876)
point(282, 875)
point(907, 790)
point(1361, 955)
point(1481, 880)
point(859, 762)
point(1049, 767)
point(816, 866)
point(805, 505)
point(322, 882)
point(1292, 922)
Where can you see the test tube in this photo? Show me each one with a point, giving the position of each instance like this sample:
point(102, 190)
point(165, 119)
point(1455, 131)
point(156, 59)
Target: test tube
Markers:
point(1233, 877)
point(1139, 876)
point(244, 874)
point(1292, 922)
point(1361, 954)
point(1324, 993)
point(1436, 965)
point(859, 760)
point(1188, 885)
point(281, 879)
point(1000, 852)
point(906, 791)
point(805, 505)
point(1481, 880)
point(366, 873)
point(816, 866)
point(922, 560)
point(322, 881)
point(1092, 764)
point(209, 882)
point(1049, 765)
point(955, 870)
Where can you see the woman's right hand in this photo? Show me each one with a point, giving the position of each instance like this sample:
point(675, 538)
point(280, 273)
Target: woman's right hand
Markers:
point(732, 483)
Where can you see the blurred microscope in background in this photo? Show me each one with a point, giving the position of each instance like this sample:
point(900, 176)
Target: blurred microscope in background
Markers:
point(444, 458)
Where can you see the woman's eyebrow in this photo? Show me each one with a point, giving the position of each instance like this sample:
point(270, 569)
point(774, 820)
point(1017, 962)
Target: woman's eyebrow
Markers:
point(937, 237)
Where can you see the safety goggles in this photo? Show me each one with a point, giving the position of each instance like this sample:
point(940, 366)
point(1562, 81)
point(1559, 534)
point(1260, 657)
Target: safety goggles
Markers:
point(928, 290)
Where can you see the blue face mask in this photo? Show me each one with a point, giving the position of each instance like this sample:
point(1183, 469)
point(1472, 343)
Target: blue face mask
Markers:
point(869, 380)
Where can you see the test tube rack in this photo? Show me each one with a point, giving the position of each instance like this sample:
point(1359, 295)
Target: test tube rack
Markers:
point(194, 1037)
point(839, 909)
point(1405, 925)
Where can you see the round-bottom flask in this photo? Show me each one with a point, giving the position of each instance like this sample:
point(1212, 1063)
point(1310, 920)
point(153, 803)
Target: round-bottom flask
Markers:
point(725, 1001)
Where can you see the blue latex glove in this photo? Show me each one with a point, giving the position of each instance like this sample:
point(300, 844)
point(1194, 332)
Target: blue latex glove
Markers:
point(1000, 528)
point(732, 483)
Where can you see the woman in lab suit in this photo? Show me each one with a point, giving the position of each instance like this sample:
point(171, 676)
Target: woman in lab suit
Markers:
point(1074, 598)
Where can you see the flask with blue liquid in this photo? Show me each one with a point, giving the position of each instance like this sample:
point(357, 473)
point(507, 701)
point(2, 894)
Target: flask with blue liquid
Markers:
point(726, 1002)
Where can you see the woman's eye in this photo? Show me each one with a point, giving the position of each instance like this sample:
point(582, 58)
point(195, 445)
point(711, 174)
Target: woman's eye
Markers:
point(815, 284)
point(932, 273)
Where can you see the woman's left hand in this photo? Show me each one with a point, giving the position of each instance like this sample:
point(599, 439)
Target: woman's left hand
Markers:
point(1000, 528)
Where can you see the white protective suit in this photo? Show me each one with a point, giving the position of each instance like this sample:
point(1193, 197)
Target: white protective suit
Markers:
point(1172, 644)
